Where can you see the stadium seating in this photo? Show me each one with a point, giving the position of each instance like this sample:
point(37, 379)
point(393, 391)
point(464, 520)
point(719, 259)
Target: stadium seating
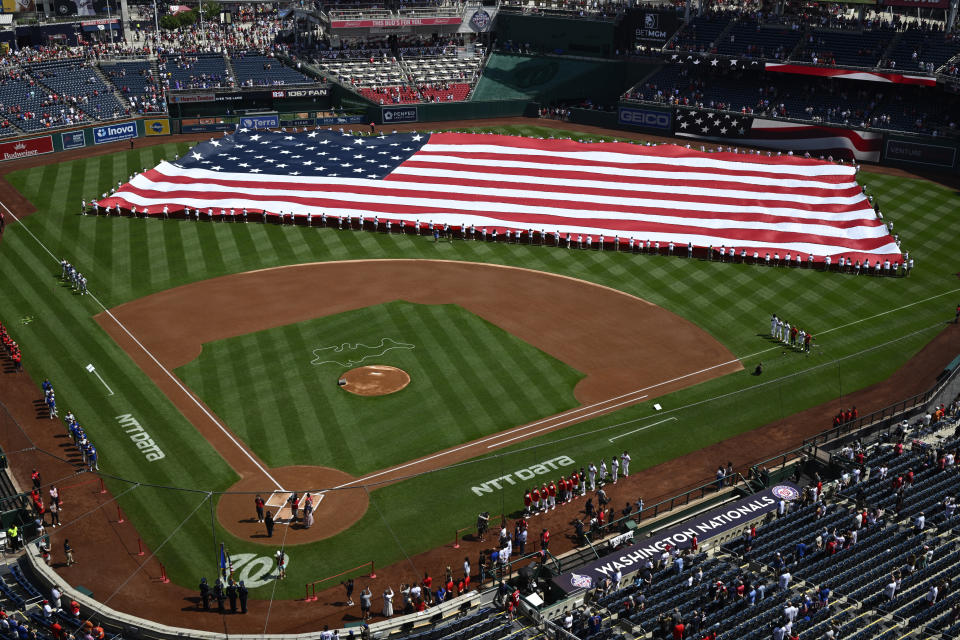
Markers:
point(135, 81)
point(254, 70)
point(750, 40)
point(705, 596)
point(81, 85)
point(30, 106)
point(918, 50)
point(702, 33)
point(198, 71)
point(444, 78)
point(843, 48)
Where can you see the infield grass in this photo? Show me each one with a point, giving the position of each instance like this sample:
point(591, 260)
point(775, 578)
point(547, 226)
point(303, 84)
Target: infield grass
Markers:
point(125, 259)
point(277, 389)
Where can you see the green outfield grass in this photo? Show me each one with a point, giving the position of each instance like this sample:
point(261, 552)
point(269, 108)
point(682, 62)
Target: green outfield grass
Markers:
point(469, 378)
point(125, 259)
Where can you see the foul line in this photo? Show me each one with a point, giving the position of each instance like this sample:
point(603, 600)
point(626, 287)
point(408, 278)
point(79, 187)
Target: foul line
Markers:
point(643, 428)
point(157, 362)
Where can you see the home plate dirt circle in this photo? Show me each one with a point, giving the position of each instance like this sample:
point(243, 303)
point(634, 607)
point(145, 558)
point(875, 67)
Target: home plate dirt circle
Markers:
point(336, 507)
point(374, 380)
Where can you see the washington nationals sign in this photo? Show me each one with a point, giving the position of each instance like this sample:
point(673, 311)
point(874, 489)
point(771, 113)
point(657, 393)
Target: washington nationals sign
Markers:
point(704, 526)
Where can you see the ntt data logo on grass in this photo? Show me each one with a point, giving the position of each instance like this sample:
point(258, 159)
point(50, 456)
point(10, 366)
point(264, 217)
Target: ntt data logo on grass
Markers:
point(115, 132)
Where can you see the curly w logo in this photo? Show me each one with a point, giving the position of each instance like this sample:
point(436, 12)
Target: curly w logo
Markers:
point(350, 355)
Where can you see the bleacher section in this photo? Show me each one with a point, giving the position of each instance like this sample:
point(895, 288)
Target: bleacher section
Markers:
point(80, 85)
point(198, 71)
point(387, 81)
point(30, 107)
point(922, 51)
point(844, 48)
point(749, 40)
point(135, 81)
point(851, 103)
point(254, 70)
point(838, 581)
point(702, 33)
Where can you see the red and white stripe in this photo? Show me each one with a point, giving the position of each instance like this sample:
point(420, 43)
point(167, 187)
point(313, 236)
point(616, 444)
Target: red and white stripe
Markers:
point(852, 74)
point(657, 193)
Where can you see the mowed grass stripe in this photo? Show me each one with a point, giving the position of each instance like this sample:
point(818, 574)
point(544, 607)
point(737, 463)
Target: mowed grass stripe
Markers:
point(515, 386)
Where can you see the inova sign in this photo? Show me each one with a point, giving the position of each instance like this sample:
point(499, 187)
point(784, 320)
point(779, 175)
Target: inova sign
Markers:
point(114, 132)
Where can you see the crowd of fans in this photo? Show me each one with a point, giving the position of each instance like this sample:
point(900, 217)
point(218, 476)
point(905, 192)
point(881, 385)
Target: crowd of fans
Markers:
point(852, 103)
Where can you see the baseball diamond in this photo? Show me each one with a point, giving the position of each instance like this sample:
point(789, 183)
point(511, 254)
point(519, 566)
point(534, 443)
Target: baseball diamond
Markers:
point(294, 341)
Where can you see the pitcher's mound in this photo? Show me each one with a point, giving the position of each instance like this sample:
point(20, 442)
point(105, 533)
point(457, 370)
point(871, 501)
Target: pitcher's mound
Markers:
point(374, 380)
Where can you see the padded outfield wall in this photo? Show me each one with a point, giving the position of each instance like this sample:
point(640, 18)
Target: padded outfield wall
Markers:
point(549, 78)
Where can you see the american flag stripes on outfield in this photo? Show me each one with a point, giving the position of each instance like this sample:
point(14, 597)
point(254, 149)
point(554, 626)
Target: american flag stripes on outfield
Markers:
point(661, 193)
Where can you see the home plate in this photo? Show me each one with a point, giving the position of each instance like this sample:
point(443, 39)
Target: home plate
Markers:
point(279, 500)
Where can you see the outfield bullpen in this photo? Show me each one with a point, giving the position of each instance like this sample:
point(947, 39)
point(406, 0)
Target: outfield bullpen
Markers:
point(128, 259)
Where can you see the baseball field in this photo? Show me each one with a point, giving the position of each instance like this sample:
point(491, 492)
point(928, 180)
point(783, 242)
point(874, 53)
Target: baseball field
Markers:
point(225, 343)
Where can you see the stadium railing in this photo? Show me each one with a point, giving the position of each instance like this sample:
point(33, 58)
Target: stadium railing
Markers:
point(311, 590)
point(883, 418)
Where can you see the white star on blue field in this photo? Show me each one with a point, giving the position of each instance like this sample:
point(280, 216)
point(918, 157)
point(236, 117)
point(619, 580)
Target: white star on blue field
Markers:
point(326, 154)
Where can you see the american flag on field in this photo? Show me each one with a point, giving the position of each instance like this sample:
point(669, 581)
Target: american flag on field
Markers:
point(616, 190)
point(837, 142)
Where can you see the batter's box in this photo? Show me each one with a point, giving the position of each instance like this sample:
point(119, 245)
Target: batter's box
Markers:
point(280, 500)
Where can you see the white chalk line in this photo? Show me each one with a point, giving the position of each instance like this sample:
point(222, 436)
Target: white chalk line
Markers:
point(157, 362)
point(576, 419)
point(643, 428)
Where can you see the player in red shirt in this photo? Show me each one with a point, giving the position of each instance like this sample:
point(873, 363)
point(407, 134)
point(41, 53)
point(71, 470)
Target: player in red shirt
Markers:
point(527, 500)
point(545, 497)
point(544, 540)
point(575, 483)
point(535, 496)
point(553, 495)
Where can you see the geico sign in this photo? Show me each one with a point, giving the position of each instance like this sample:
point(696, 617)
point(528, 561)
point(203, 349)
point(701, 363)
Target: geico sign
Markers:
point(644, 118)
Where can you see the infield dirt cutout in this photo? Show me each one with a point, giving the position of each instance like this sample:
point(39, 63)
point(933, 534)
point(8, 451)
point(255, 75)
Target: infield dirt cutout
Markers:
point(630, 350)
point(375, 380)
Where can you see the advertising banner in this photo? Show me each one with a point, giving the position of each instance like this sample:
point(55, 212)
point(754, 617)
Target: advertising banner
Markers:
point(392, 115)
point(646, 117)
point(26, 148)
point(115, 132)
point(705, 526)
point(157, 127)
point(73, 140)
point(330, 121)
point(206, 128)
point(260, 122)
point(393, 22)
point(936, 155)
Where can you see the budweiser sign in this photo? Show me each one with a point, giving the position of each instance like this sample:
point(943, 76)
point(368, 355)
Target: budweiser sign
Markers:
point(26, 148)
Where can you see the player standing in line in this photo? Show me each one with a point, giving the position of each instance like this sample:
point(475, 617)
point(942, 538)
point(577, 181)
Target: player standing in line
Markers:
point(625, 463)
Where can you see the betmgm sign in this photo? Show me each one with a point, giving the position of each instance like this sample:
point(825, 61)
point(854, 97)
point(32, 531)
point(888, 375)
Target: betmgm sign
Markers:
point(645, 118)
